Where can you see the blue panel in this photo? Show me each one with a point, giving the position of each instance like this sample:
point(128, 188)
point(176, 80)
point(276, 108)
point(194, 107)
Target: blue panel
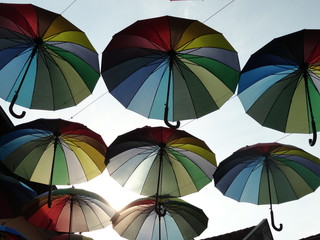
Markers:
point(9, 75)
point(125, 91)
point(251, 77)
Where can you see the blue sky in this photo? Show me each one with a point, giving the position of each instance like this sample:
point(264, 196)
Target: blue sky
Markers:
point(248, 25)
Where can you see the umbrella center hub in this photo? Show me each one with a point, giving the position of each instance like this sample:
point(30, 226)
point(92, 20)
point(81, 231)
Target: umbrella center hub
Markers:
point(162, 145)
point(171, 53)
point(38, 41)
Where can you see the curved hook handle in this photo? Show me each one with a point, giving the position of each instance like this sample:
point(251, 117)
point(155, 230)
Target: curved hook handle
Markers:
point(273, 224)
point(313, 141)
point(166, 110)
point(14, 99)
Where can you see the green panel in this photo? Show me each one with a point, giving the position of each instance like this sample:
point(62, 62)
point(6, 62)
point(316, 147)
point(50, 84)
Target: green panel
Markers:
point(29, 162)
point(191, 98)
point(226, 74)
point(308, 176)
point(272, 110)
point(60, 171)
point(88, 74)
point(198, 176)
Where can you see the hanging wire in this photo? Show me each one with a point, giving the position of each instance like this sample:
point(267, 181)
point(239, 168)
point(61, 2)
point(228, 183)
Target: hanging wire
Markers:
point(68, 7)
point(218, 11)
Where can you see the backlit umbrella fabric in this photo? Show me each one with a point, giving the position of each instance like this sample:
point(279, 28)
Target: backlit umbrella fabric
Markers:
point(268, 173)
point(279, 85)
point(169, 61)
point(53, 61)
point(13, 196)
point(139, 220)
point(160, 161)
point(72, 210)
point(53, 152)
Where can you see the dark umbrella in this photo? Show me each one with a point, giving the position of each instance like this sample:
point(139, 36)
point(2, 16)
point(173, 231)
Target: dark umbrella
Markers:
point(7, 233)
point(13, 196)
point(279, 85)
point(170, 218)
point(46, 62)
point(170, 68)
point(268, 173)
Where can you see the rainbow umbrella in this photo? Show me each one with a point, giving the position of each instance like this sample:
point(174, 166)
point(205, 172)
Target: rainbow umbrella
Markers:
point(156, 161)
point(53, 152)
point(72, 210)
point(170, 218)
point(46, 62)
point(279, 85)
point(170, 68)
point(268, 173)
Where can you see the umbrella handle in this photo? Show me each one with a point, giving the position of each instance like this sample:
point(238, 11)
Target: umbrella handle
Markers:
point(312, 142)
point(14, 99)
point(273, 224)
point(166, 110)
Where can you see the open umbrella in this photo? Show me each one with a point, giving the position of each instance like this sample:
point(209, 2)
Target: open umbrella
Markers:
point(170, 68)
point(45, 61)
point(8, 233)
point(155, 161)
point(13, 196)
point(53, 152)
point(178, 220)
point(70, 237)
point(268, 173)
point(72, 210)
point(279, 85)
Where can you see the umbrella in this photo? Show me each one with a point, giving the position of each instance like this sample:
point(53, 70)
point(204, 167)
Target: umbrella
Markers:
point(53, 152)
point(46, 62)
point(13, 196)
point(155, 161)
point(268, 173)
point(70, 237)
point(7, 233)
point(279, 85)
point(170, 68)
point(178, 220)
point(72, 210)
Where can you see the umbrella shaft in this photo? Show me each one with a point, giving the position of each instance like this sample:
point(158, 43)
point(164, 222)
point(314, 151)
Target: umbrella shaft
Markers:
point(34, 51)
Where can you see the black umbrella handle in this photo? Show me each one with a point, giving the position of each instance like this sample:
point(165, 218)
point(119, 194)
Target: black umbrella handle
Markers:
point(166, 110)
point(313, 141)
point(273, 224)
point(14, 99)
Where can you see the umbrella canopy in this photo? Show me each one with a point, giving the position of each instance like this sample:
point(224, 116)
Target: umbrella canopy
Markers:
point(268, 173)
point(279, 85)
point(46, 62)
point(179, 220)
point(170, 68)
point(70, 237)
point(7, 233)
point(53, 152)
point(160, 161)
point(13, 196)
point(72, 210)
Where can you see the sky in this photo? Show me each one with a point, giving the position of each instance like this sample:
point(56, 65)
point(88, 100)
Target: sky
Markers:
point(248, 25)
